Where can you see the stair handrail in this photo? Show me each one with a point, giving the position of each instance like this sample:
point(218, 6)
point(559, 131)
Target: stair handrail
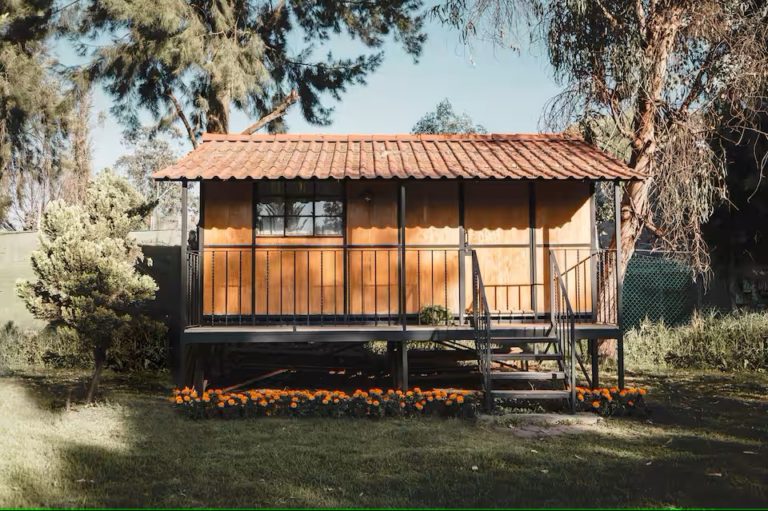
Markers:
point(481, 323)
point(563, 324)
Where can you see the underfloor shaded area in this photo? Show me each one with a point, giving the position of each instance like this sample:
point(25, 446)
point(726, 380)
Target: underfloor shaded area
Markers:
point(704, 444)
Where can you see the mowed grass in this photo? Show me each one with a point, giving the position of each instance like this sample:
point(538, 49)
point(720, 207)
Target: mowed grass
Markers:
point(704, 444)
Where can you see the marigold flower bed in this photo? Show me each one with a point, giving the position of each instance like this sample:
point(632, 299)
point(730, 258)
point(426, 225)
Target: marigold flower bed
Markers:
point(326, 403)
point(611, 401)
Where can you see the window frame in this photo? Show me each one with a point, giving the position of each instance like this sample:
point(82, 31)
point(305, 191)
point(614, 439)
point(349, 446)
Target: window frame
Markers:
point(313, 196)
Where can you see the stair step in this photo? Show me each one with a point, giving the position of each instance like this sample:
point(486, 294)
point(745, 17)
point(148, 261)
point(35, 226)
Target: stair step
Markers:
point(527, 356)
point(516, 341)
point(527, 375)
point(531, 394)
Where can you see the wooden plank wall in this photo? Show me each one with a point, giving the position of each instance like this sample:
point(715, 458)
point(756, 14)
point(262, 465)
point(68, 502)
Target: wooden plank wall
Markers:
point(310, 279)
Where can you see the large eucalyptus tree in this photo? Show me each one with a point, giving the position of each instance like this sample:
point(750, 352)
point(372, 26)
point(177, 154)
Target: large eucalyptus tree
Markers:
point(668, 78)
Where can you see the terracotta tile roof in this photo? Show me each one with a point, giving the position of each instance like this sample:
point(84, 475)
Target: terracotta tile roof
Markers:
point(305, 156)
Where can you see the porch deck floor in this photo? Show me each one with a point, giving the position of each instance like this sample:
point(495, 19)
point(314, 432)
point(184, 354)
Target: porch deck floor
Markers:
point(365, 332)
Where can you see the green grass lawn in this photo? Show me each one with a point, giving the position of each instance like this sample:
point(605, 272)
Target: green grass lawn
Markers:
point(704, 444)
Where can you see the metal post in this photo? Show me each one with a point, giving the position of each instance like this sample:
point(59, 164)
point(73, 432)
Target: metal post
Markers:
point(619, 282)
point(594, 249)
point(595, 362)
point(401, 251)
point(183, 320)
point(403, 363)
point(532, 243)
point(462, 256)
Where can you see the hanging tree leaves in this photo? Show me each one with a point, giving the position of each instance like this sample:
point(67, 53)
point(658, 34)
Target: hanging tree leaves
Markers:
point(656, 78)
point(193, 60)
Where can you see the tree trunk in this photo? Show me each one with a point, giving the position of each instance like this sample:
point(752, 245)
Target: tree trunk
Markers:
point(217, 116)
point(100, 357)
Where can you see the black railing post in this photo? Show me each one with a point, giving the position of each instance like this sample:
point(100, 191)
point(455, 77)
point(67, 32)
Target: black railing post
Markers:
point(183, 255)
point(401, 252)
point(462, 252)
point(619, 283)
point(532, 248)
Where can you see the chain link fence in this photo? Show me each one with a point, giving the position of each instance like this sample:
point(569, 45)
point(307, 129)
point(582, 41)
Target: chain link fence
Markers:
point(658, 287)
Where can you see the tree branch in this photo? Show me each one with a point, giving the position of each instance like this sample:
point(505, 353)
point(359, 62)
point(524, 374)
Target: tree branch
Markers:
point(279, 111)
point(697, 86)
point(609, 16)
point(180, 113)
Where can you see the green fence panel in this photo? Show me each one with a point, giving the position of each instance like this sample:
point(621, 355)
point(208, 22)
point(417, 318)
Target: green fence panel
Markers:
point(658, 287)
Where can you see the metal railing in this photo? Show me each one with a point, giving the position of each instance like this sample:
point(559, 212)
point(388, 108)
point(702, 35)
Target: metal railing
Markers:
point(590, 283)
point(481, 323)
point(324, 285)
point(563, 321)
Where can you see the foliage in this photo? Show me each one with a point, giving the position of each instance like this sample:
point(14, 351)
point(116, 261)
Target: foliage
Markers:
point(141, 347)
point(374, 403)
point(735, 341)
point(444, 120)
point(85, 268)
point(661, 78)
point(148, 154)
point(611, 401)
point(192, 60)
point(25, 349)
point(44, 150)
point(434, 315)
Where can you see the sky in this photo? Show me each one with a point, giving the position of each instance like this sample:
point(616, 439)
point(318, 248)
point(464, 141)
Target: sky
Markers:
point(502, 89)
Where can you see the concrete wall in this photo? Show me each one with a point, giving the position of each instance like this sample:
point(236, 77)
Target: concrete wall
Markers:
point(162, 247)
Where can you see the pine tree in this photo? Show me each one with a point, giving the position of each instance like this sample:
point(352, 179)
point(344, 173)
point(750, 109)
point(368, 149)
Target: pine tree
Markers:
point(85, 268)
point(193, 60)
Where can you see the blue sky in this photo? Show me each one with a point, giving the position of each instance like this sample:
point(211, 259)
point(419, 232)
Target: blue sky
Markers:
point(501, 89)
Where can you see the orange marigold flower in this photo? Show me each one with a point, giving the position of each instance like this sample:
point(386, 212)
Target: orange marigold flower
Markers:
point(186, 398)
point(220, 404)
point(409, 393)
point(642, 391)
point(580, 397)
point(402, 405)
point(375, 403)
point(419, 406)
point(595, 404)
point(179, 400)
point(448, 402)
point(294, 404)
point(430, 399)
point(459, 399)
point(230, 401)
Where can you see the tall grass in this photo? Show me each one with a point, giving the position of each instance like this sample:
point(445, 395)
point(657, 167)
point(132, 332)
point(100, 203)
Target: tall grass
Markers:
point(734, 341)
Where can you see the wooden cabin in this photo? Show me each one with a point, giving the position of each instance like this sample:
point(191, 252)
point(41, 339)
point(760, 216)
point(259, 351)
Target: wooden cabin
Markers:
point(352, 238)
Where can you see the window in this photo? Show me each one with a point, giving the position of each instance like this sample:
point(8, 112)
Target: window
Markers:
point(299, 208)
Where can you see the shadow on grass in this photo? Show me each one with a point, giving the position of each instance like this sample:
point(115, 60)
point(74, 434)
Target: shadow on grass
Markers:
point(163, 459)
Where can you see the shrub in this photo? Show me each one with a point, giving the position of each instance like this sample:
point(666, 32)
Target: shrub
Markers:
point(611, 401)
point(25, 349)
point(434, 315)
point(325, 403)
point(85, 267)
point(141, 347)
point(735, 341)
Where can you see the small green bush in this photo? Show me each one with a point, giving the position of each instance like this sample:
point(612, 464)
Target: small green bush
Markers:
point(434, 315)
point(735, 341)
